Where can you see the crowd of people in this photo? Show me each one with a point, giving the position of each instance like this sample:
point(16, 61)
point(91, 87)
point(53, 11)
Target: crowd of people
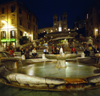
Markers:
point(89, 48)
point(25, 52)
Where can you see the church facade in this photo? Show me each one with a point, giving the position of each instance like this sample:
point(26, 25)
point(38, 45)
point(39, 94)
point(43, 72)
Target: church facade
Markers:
point(59, 25)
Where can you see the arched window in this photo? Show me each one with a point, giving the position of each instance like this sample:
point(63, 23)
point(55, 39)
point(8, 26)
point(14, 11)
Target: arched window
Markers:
point(12, 34)
point(3, 34)
point(12, 8)
point(3, 10)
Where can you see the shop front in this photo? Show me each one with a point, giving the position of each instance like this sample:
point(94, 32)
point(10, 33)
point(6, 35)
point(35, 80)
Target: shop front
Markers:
point(8, 42)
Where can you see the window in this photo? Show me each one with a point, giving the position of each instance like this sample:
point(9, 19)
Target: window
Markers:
point(3, 10)
point(20, 22)
point(87, 16)
point(28, 26)
point(33, 19)
point(28, 16)
point(34, 27)
point(91, 21)
point(12, 8)
point(36, 22)
point(3, 34)
point(65, 22)
point(54, 23)
point(12, 34)
point(64, 18)
point(12, 21)
point(21, 33)
point(60, 28)
point(20, 10)
point(55, 19)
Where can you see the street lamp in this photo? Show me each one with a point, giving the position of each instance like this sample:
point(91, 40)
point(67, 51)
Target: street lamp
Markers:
point(96, 32)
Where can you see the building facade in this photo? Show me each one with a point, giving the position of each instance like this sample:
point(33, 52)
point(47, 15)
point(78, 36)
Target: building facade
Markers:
point(92, 25)
point(79, 24)
point(16, 21)
point(58, 25)
point(47, 29)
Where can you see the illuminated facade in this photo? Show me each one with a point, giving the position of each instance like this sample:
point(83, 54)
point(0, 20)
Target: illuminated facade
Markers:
point(58, 26)
point(47, 29)
point(16, 21)
point(92, 25)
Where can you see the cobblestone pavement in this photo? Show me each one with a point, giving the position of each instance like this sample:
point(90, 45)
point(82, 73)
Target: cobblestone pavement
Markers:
point(13, 91)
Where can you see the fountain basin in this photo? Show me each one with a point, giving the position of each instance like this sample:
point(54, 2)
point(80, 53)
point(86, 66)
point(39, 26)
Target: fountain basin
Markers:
point(62, 57)
point(35, 76)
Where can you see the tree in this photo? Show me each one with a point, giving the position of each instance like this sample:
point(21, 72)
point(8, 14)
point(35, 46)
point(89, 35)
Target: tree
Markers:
point(23, 40)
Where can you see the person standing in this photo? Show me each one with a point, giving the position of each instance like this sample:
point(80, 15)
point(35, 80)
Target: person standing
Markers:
point(96, 49)
point(45, 51)
point(27, 53)
point(23, 54)
point(22, 51)
point(87, 51)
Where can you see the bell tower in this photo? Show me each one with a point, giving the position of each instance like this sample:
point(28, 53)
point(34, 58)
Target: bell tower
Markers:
point(64, 22)
point(55, 23)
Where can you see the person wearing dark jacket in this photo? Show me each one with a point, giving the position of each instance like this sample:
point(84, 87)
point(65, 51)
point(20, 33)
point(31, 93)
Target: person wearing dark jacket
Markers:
point(96, 49)
point(22, 52)
point(27, 53)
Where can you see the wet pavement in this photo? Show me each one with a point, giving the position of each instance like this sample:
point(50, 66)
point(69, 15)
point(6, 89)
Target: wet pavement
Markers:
point(6, 90)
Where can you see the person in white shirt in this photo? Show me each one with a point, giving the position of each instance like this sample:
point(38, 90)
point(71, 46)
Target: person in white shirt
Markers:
point(45, 51)
point(34, 53)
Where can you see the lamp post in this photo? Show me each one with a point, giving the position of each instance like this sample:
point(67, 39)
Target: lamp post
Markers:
point(96, 32)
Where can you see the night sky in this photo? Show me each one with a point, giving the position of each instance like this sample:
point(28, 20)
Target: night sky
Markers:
point(45, 9)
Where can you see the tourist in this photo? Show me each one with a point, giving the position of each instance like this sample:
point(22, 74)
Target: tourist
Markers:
point(96, 49)
point(34, 53)
point(45, 51)
point(11, 52)
point(73, 50)
point(27, 53)
point(57, 50)
point(90, 47)
point(53, 50)
point(23, 54)
point(87, 51)
point(22, 51)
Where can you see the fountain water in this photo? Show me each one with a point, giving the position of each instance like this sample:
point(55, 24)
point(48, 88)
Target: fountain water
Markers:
point(61, 58)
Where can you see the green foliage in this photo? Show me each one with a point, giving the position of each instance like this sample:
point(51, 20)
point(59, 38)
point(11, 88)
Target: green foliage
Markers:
point(23, 40)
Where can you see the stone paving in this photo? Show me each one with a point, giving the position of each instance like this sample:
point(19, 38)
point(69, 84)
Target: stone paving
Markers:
point(6, 90)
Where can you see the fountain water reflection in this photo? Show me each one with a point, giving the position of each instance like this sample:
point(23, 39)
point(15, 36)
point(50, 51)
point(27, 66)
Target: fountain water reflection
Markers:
point(73, 70)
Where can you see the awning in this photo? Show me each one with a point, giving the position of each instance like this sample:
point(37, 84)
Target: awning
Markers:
point(8, 40)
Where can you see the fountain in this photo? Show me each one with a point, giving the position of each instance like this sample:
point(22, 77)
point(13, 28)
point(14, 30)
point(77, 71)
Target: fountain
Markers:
point(65, 76)
point(61, 58)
